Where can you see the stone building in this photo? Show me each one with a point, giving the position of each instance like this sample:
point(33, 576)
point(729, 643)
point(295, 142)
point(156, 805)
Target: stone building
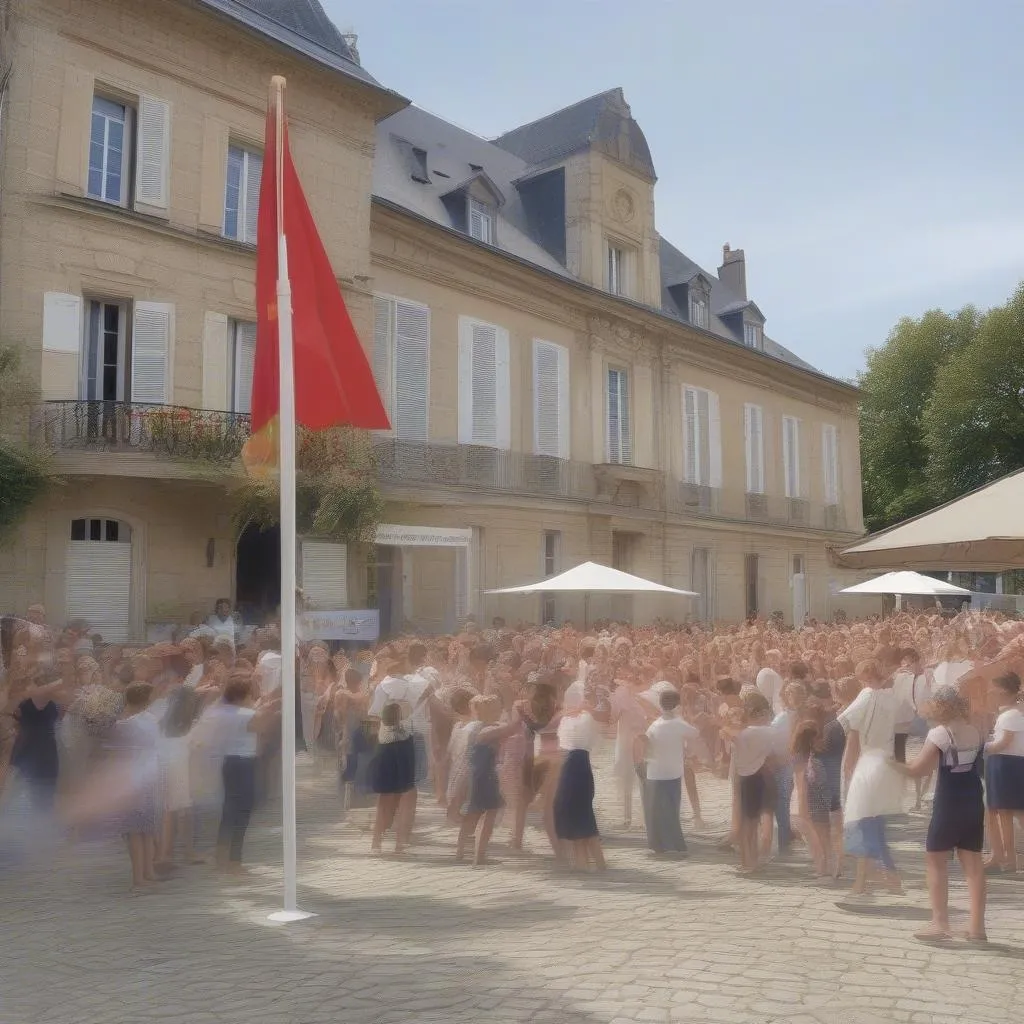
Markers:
point(563, 383)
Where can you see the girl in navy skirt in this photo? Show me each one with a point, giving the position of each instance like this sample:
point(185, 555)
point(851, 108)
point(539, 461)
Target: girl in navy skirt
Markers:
point(484, 797)
point(392, 773)
point(958, 811)
point(1004, 771)
point(575, 821)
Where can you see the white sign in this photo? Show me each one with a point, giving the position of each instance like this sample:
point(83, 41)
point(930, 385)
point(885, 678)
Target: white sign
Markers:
point(422, 537)
point(361, 626)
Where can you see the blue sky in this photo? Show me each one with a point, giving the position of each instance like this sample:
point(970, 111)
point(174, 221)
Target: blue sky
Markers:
point(866, 154)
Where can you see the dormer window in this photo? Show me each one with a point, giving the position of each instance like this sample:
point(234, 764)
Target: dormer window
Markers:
point(753, 335)
point(618, 277)
point(481, 222)
point(699, 310)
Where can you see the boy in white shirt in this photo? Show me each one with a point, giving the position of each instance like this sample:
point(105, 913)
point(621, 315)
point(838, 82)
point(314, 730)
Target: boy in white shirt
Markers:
point(664, 748)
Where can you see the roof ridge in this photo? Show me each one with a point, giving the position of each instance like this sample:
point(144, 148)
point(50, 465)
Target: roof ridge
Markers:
point(555, 113)
point(344, 51)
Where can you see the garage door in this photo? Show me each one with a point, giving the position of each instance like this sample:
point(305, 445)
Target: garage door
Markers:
point(98, 571)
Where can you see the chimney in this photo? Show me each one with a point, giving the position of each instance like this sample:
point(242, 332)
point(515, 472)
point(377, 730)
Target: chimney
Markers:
point(733, 271)
point(352, 42)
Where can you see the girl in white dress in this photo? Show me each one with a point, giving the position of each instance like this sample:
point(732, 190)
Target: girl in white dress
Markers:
point(874, 789)
point(631, 720)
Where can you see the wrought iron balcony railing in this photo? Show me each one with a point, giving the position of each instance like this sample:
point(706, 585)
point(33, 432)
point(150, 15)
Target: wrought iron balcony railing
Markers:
point(768, 509)
point(170, 430)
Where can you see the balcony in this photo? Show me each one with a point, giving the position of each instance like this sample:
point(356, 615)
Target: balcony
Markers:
point(765, 509)
point(478, 468)
point(172, 431)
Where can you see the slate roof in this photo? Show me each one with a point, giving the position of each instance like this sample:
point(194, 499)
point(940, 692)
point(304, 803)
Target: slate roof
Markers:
point(574, 129)
point(454, 157)
point(299, 25)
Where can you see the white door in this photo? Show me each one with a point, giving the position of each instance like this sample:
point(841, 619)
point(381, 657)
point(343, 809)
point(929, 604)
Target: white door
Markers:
point(98, 575)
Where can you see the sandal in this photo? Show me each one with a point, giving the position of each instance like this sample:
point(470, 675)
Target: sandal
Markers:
point(975, 940)
point(932, 935)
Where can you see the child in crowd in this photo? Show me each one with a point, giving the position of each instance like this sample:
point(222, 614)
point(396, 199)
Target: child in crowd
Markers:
point(1004, 771)
point(394, 772)
point(753, 752)
point(812, 792)
point(483, 736)
point(183, 707)
point(350, 710)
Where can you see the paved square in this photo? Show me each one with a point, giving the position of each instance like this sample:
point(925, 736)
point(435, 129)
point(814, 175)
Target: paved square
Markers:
point(425, 940)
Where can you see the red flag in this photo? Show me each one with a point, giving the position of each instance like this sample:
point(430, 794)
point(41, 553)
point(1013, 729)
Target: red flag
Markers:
point(334, 384)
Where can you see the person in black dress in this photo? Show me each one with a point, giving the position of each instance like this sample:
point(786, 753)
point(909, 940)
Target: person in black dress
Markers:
point(35, 749)
point(393, 771)
point(955, 745)
point(484, 799)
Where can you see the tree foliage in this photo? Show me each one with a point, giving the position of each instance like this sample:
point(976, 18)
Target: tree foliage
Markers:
point(336, 489)
point(942, 409)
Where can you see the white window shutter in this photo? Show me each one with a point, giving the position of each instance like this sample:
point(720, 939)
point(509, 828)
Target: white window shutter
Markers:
point(245, 363)
point(465, 380)
point(754, 435)
point(412, 371)
point(253, 175)
point(383, 347)
point(691, 439)
point(625, 419)
point(152, 334)
point(564, 405)
point(62, 322)
point(324, 574)
point(830, 462)
point(503, 389)
point(548, 404)
point(714, 440)
point(153, 172)
point(791, 455)
point(98, 582)
point(215, 361)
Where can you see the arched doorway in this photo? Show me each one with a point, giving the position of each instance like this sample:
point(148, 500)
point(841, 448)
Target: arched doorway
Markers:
point(258, 573)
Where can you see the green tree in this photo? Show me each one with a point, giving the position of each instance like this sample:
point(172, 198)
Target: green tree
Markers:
point(974, 421)
point(23, 470)
point(896, 389)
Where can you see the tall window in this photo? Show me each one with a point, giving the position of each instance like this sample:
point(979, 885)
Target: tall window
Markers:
point(481, 222)
point(791, 455)
point(484, 385)
point(242, 194)
point(701, 443)
point(401, 363)
point(753, 335)
point(103, 372)
point(615, 276)
point(242, 337)
point(830, 462)
point(552, 545)
point(698, 311)
point(620, 441)
point(550, 399)
point(750, 573)
point(109, 151)
point(753, 422)
point(700, 582)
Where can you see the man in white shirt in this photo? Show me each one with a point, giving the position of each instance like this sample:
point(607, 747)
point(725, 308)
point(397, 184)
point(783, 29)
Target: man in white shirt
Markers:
point(222, 622)
point(665, 746)
point(769, 682)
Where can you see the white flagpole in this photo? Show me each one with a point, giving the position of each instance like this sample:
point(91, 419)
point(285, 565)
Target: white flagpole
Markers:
point(286, 428)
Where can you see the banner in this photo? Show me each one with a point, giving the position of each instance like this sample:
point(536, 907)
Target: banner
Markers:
point(361, 626)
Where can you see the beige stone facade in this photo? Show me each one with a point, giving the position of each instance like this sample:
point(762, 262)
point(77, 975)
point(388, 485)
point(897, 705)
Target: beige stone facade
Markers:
point(154, 274)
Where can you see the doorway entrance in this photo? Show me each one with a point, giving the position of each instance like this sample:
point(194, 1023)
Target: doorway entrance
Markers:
point(258, 573)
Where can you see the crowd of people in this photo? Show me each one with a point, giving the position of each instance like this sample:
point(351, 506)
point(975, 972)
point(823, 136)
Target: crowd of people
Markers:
point(174, 744)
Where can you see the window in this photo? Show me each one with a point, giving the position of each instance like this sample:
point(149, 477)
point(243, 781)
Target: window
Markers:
point(750, 573)
point(550, 399)
point(481, 222)
point(104, 371)
point(620, 443)
point(107, 530)
point(123, 140)
point(484, 385)
point(109, 151)
point(698, 311)
point(753, 420)
point(700, 582)
point(830, 462)
point(401, 364)
point(753, 335)
point(622, 551)
point(552, 549)
point(702, 454)
point(617, 271)
point(242, 194)
point(791, 455)
point(242, 341)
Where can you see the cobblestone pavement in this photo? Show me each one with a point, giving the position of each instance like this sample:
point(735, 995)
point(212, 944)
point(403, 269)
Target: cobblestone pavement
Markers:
point(425, 940)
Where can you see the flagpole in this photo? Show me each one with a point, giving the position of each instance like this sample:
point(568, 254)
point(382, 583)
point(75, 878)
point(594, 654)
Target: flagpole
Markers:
point(286, 432)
